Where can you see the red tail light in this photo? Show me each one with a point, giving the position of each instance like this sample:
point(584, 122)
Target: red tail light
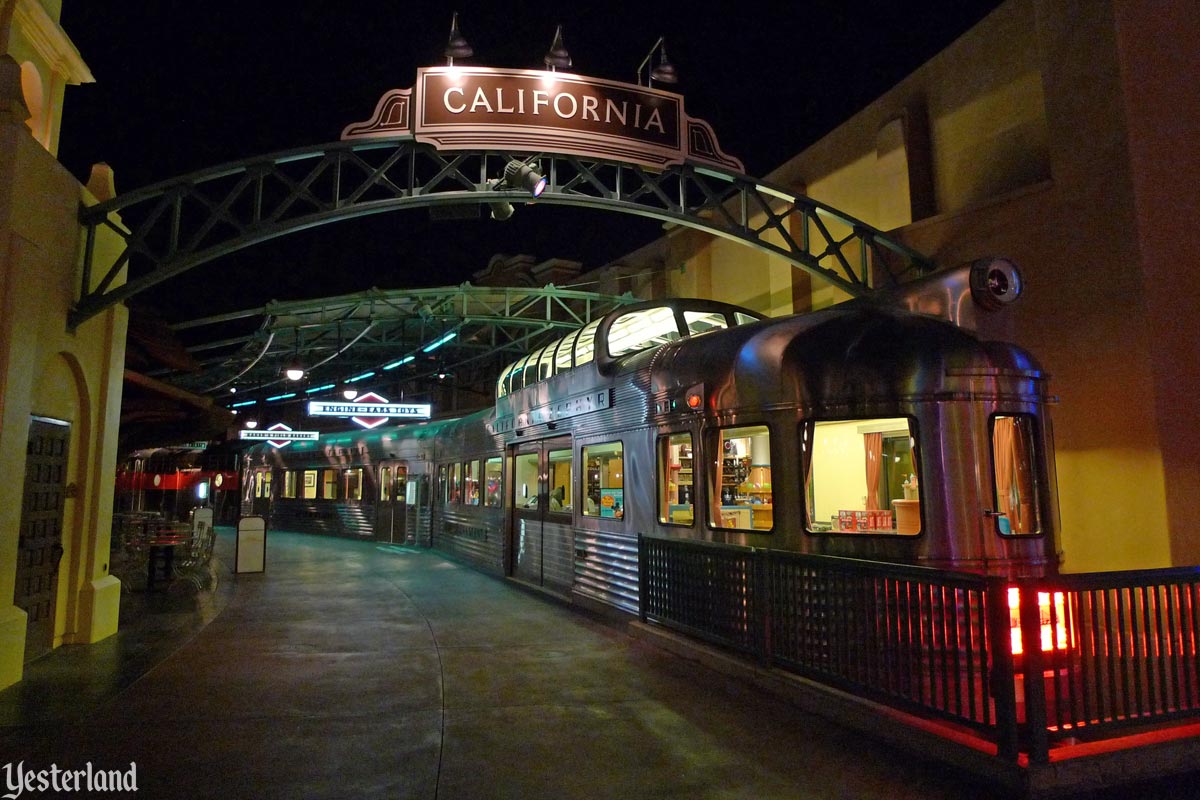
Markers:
point(1052, 639)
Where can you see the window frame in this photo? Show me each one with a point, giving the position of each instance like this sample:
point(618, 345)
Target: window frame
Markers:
point(499, 494)
point(1035, 464)
point(709, 438)
point(914, 430)
point(661, 490)
point(583, 484)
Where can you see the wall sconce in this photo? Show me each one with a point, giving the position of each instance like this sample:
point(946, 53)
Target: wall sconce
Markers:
point(348, 391)
point(251, 424)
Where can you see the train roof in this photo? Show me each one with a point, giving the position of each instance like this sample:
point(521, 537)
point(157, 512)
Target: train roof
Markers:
point(843, 356)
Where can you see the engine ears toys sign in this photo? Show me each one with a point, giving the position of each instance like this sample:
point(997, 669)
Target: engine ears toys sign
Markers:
point(477, 108)
point(369, 410)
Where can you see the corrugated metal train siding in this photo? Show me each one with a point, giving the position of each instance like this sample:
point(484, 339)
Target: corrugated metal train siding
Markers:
point(606, 568)
point(477, 544)
point(557, 556)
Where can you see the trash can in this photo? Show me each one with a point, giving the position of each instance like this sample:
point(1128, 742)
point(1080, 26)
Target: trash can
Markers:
point(251, 552)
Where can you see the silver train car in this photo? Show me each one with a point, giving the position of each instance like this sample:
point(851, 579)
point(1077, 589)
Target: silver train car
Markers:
point(867, 430)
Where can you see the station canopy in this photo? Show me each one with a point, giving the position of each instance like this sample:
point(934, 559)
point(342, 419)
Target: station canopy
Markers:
point(394, 342)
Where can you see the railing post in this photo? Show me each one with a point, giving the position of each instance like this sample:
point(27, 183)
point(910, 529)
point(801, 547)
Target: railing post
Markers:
point(762, 603)
point(1002, 674)
point(1035, 689)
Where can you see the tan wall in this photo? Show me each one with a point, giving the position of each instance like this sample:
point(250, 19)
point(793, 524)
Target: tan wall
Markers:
point(1159, 63)
point(47, 370)
point(1059, 134)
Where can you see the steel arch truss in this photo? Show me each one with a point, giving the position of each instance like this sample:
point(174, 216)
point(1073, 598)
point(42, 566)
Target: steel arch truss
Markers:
point(170, 227)
point(392, 334)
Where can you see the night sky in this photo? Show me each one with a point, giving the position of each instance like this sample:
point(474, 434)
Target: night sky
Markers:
point(183, 87)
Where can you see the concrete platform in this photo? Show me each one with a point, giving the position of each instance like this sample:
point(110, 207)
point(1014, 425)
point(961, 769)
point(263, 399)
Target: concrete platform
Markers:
point(355, 670)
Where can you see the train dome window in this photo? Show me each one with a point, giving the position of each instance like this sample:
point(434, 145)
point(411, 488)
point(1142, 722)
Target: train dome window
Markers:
point(739, 479)
point(639, 330)
point(564, 358)
point(676, 495)
point(699, 322)
point(585, 344)
point(860, 476)
point(1015, 476)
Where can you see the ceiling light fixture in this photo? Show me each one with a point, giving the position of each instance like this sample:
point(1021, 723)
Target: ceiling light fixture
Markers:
point(664, 71)
point(456, 46)
point(557, 57)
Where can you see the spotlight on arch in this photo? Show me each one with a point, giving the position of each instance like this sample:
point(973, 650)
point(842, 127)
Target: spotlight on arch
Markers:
point(519, 175)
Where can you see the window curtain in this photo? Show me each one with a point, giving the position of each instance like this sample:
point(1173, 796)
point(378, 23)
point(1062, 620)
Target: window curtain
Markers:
point(873, 442)
point(806, 441)
point(1022, 479)
point(1003, 435)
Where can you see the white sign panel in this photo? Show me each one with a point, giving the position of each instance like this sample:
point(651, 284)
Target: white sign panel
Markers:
point(318, 409)
point(370, 410)
point(279, 436)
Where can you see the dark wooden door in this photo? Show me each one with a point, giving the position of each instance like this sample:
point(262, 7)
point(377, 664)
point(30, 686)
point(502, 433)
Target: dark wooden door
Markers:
point(39, 549)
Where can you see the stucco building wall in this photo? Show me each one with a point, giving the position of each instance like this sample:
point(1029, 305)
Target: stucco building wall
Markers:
point(1058, 134)
point(45, 369)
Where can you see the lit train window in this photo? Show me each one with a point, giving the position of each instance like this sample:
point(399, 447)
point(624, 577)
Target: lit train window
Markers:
point(455, 484)
point(703, 321)
point(560, 485)
point(385, 484)
point(860, 476)
point(739, 481)
point(639, 330)
point(546, 362)
point(585, 345)
point(676, 496)
point(566, 351)
point(604, 481)
point(493, 497)
point(310, 484)
point(329, 484)
point(471, 483)
point(289, 484)
point(517, 376)
point(443, 483)
point(525, 480)
point(1014, 470)
point(352, 484)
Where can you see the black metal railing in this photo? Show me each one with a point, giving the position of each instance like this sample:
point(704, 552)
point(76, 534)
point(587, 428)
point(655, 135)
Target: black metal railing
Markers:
point(1117, 649)
point(1023, 663)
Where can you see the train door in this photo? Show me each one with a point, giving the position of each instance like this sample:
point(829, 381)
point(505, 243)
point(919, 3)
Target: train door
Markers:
point(259, 492)
point(391, 506)
point(540, 533)
point(40, 543)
